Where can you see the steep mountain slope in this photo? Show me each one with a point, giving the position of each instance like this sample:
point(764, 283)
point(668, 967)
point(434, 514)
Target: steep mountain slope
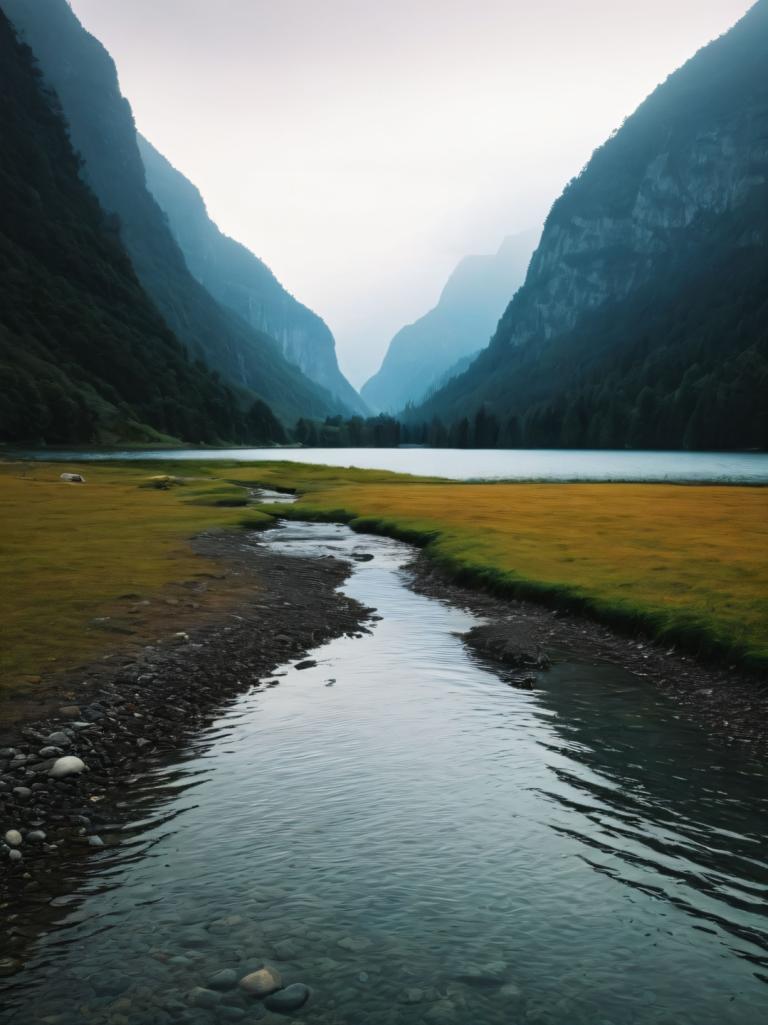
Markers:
point(84, 355)
point(241, 282)
point(103, 132)
point(643, 319)
point(421, 354)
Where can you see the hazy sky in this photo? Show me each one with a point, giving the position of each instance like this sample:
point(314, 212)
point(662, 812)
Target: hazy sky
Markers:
point(362, 147)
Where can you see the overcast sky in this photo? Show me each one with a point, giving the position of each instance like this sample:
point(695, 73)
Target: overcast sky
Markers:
point(362, 147)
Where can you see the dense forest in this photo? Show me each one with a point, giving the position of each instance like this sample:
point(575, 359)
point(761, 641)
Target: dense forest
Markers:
point(102, 130)
point(84, 355)
point(643, 321)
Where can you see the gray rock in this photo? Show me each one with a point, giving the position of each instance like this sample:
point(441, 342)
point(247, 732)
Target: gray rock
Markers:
point(205, 998)
point(58, 739)
point(223, 980)
point(95, 841)
point(49, 752)
point(15, 855)
point(13, 838)
point(7, 752)
point(289, 999)
point(23, 793)
point(37, 835)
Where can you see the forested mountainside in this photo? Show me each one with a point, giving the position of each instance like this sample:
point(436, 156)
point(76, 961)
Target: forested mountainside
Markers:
point(425, 354)
point(241, 282)
point(102, 131)
point(84, 354)
point(643, 320)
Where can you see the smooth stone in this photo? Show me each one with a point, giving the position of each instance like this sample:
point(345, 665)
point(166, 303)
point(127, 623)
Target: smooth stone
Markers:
point(13, 838)
point(289, 999)
point(15, 855)
point(69, 765)
point(95, 841)
point(205, 998)
point(261, 983)
point(70, 711)
point(37, 835)
point(58, 739)
point(225, 979)
point(308, 663)
point(49, 752)
point(22, 792)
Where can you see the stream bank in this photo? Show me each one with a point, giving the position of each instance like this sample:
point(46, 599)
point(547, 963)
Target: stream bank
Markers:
point(121, 715)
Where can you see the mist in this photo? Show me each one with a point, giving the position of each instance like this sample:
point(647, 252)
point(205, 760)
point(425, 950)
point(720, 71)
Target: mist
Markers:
point(361, 149)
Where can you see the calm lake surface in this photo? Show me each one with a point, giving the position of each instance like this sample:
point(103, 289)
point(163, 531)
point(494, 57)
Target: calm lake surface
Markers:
point(422, 844)
point(490, 464)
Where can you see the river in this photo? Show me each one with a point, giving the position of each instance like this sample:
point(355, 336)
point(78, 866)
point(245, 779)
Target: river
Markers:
point(474, 464)
point(422, 844)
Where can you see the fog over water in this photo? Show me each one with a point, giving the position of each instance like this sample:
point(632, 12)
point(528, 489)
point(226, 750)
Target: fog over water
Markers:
point(363, 148)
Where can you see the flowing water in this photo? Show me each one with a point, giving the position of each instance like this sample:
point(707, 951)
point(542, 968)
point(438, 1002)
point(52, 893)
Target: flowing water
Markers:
point(421, 843)
point(474, 464)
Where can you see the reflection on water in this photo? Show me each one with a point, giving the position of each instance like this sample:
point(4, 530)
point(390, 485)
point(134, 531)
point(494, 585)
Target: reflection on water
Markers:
point(420, 843)
point(488, 464)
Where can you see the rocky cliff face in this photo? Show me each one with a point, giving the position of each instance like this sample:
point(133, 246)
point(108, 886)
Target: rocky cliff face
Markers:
point(102, 130)
point(673, 204)
point(242, 282)
point(425, 354)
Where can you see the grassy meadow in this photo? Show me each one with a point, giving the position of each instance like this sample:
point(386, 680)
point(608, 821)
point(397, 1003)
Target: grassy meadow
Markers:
point(687, 563)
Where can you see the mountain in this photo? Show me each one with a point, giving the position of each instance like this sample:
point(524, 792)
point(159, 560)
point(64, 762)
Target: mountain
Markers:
point(102, 130)
point(643, 320)
point(84, 354)
point(421, 354)
point(240, 281)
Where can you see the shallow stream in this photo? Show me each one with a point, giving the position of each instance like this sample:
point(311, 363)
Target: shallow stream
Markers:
point(420, 843)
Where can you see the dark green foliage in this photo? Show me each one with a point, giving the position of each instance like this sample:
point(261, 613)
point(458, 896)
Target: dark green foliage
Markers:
point(102, 130)
point(84, 355)
point(676, 204)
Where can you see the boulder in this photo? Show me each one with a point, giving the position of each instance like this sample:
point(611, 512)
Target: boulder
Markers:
point(69, 765)
point(261, 983)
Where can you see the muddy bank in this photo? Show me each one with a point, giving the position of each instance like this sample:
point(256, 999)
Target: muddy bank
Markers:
point(524, 637)
point(122, 715)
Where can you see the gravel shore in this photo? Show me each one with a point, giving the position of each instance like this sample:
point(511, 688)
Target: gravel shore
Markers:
point(122, 715)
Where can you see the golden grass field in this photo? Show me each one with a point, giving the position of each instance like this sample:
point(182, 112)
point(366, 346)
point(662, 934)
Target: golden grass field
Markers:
point(688, 562)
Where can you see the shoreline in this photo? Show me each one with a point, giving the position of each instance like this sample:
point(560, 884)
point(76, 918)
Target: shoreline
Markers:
point(123, 716)
point(523, 636)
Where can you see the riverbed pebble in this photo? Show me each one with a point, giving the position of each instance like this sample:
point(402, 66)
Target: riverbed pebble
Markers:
point(289, 999)
point(262, 982)
point(23, 793)
point(13, 838)
point(223, 980)
point(69, 765)
point(200, 997)
point(15, 855)
point(58, 739)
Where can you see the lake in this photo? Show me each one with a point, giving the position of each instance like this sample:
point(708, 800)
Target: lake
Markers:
point(472, 464)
